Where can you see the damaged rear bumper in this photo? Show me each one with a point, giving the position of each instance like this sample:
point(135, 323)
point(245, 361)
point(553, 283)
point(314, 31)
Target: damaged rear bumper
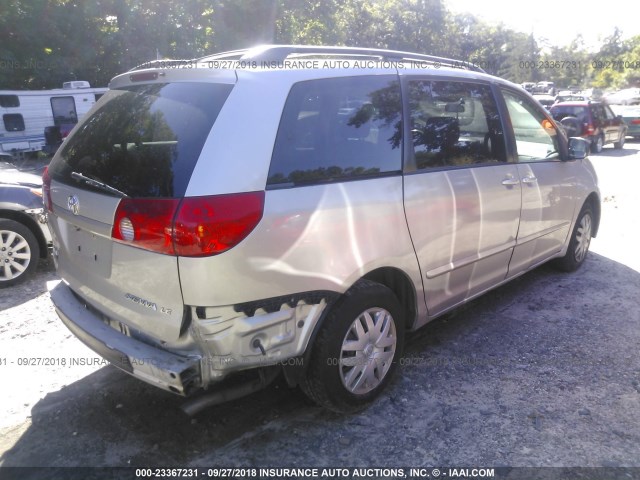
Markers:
point(169, 371)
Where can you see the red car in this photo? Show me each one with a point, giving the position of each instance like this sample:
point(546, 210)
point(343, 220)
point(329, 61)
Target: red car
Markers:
point(594, 121)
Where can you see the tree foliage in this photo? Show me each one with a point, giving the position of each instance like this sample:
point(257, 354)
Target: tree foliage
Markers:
point(46, 42)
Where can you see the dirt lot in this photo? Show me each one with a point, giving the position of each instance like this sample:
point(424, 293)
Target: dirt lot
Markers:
point(541, 372)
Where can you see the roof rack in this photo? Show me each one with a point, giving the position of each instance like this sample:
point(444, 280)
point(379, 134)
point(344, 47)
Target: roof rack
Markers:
point(279, 53)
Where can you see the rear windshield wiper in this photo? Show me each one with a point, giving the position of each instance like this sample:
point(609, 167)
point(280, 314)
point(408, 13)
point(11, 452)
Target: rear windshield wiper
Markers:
point(97, 184)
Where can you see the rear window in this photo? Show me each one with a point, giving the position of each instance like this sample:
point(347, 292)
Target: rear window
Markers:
point(563, 111)
point(142, 140)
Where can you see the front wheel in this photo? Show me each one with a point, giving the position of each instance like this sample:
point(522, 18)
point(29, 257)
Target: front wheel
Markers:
point(579, 243)
point(357, 349)
point(19, 252)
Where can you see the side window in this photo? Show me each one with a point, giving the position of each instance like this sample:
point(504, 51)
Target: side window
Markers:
point(13, 122)
point(454, 124)
point(9, 101)
point(536, 136)
point(609, 113)
point(338, 128)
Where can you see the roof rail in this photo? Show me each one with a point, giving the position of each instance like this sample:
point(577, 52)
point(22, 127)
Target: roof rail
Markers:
point(279, 53)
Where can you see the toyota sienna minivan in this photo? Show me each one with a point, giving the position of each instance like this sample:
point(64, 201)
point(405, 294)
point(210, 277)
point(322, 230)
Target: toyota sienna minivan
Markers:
point(301, 209)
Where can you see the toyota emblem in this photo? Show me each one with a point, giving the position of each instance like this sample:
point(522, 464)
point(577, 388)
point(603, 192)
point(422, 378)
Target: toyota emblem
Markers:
point(73, 204)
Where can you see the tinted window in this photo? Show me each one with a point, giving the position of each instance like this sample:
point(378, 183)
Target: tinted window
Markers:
point(598, 113)
point(9, 101)
point(338, 128)
point(560, 112)
point(64, 111)
point(536, 136)
point(13, 122)
point(454, 124)
point(143, 140)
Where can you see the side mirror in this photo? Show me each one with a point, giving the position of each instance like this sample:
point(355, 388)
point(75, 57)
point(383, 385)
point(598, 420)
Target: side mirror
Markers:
point(578, 148)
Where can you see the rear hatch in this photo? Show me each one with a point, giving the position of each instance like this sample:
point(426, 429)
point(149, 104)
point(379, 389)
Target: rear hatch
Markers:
point(113, 189)
point(579, 114)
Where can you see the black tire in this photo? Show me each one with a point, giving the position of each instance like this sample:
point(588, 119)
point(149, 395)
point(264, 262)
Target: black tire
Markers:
point(579, 243)
point(19, 252)
point(327, 376)
point(620, 143)
point(597, 144)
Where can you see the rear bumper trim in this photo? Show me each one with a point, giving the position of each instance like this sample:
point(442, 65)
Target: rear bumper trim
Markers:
point(166, 370)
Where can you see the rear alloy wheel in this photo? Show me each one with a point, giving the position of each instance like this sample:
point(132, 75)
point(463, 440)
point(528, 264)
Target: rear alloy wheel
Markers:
point(620, 143)
point(19, 252)
point(357, 348)
point(579, 243)
point(598, 143)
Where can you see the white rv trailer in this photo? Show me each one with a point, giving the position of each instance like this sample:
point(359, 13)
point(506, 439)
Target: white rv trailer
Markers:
point(26, 113)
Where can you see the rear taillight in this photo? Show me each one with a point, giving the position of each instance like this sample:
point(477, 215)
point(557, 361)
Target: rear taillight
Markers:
point(635, 121)
point(212, 225)
point(146, 223)
point(589, 129)
point(191, 227)
point(46, 189)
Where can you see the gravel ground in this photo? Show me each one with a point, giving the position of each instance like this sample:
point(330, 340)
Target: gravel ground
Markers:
point(541, 372)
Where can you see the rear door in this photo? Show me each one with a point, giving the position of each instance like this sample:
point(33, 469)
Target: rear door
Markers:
point(462, 197)
point(548, 183)
point(140, 146)
point(64, 112)
point(615, 125)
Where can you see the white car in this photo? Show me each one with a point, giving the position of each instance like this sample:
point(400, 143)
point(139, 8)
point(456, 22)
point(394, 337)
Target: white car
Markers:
point(628, 96)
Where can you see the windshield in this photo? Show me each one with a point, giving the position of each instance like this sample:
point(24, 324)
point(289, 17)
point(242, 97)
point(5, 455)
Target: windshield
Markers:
point(141, 141)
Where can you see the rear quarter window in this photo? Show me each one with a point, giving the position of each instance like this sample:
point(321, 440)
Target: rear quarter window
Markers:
point(338, 129)
point(142, 140)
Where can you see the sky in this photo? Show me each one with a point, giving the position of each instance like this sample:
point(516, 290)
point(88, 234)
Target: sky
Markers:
point(558, 21)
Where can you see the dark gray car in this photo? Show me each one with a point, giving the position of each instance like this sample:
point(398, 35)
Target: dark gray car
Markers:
point(24, 236)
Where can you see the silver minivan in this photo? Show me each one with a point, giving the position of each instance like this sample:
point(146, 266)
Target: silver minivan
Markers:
point(300, 209)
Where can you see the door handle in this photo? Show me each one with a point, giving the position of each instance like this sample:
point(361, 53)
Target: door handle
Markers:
point(529, 179)
point(510, 181)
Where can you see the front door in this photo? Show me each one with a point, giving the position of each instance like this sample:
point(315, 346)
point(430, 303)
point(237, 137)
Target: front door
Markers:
point(548, 197)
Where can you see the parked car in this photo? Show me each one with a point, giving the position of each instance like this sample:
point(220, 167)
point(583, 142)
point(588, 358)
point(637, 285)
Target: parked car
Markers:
point(631, 117)
point(594, 121)
point(628, 96)
point(545, 100)
point(570, 97)
point(203, 228)
point(528, 86)
point(592, 93)
point(24, 236)
point(545, 87)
